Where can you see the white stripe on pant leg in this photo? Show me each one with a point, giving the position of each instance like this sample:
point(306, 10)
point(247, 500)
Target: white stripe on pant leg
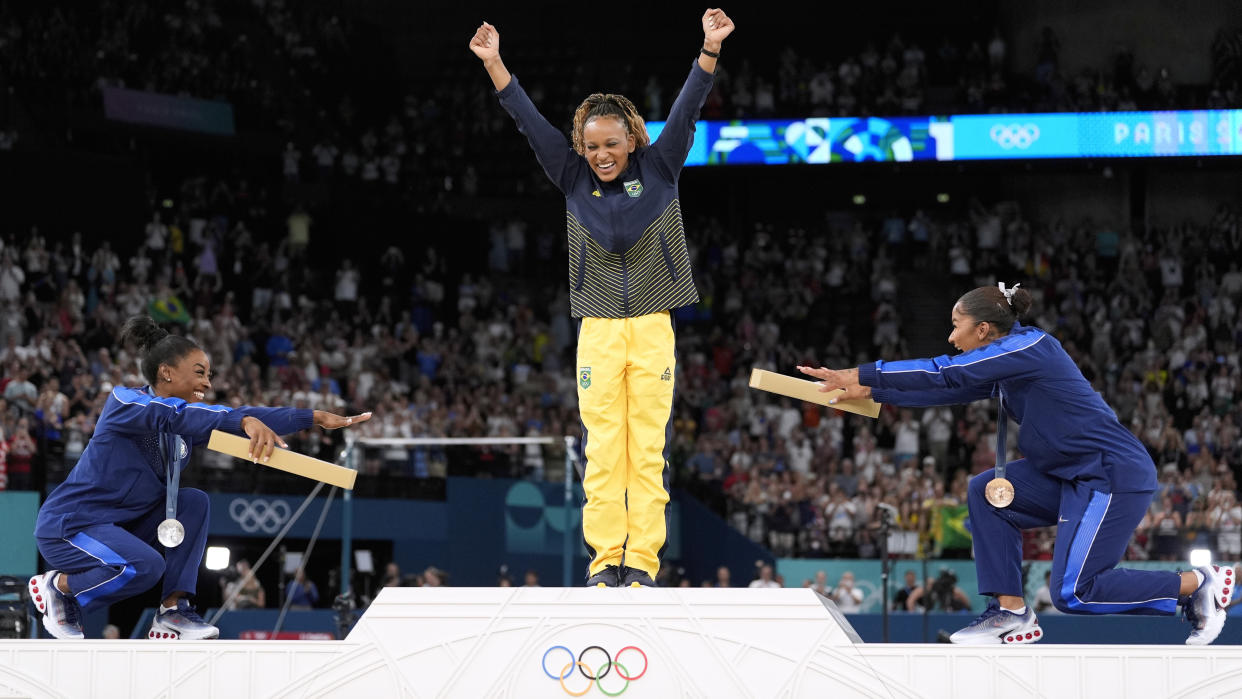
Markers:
point(92, 587)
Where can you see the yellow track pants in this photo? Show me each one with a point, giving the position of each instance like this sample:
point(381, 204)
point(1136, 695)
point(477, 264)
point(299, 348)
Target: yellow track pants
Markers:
point(626, 371)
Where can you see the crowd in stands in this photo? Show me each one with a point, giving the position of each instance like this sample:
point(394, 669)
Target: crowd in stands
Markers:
point(1151, 319)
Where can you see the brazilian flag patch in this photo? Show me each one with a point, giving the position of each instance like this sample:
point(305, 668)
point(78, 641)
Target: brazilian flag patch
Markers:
point(634, 188)
point(584, 377)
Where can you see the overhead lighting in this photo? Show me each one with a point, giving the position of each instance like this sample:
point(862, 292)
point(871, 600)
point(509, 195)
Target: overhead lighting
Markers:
point(942, 198)
point(860, 199)
point(217, 558)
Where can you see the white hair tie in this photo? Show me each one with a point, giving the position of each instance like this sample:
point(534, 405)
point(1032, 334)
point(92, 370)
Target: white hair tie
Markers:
point(1009, 292)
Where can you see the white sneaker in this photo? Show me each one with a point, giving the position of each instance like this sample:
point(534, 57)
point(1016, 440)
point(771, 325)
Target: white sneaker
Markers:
point(62, 617)
point(997, 626)
point(181, 623)
point(1208, 606)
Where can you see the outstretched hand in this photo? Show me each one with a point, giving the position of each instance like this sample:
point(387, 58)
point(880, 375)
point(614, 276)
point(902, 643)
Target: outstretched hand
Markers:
point(716, 26)
point(486, 42)
point(332, 421)
point(832, 379)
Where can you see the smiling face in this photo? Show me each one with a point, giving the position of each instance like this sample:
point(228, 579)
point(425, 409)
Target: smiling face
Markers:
point(189, 379)
point(607, 147)
point(967, 332)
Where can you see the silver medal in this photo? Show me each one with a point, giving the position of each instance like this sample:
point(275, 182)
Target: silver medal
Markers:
point(170, 533)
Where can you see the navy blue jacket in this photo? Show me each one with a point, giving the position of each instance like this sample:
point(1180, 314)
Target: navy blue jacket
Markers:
point(120, 475)
point(627, 245)
point(1068, 431)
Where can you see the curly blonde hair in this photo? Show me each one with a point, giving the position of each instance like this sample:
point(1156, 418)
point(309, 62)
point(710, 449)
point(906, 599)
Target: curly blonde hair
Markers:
point(606, 105)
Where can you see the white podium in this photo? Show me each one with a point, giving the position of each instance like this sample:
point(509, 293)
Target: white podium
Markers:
point(528, 642)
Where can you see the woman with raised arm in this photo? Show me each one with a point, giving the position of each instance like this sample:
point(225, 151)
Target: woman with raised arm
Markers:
point(628, 267)
point(1081, 471)
point(120, 522)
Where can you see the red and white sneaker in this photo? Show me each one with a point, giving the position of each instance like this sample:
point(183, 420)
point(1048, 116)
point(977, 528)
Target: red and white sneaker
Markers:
point(1207, 607)
point(181, 623)
point(62, 617)
point(998, 626)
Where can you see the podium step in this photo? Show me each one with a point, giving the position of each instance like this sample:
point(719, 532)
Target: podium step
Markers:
point(549, 642)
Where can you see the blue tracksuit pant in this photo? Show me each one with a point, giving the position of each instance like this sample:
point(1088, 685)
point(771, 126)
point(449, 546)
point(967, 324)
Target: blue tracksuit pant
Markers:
point(1093, 530)
point(107, 563)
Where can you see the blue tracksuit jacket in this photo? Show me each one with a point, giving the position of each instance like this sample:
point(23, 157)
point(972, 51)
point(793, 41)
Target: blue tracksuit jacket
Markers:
point(1068, 431)
point(120, 476)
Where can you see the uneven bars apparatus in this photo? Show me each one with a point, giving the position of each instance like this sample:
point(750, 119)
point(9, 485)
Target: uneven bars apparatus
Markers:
point(300, 465)
point(571, 457)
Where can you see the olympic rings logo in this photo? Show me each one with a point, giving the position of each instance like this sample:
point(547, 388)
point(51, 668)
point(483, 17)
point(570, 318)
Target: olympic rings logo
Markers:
point(600, 673)
point(1019, 136)
point(259, 515)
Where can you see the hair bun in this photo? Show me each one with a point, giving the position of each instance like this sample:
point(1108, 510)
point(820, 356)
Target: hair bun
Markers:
point(143, 332)
point(1021, 302)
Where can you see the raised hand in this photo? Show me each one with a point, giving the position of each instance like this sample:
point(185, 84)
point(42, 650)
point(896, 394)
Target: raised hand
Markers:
point(486, 42)
point(716, 26)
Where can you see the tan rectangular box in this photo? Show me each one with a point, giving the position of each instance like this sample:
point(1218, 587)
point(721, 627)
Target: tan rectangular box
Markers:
point(285, 460)
point(802, 389)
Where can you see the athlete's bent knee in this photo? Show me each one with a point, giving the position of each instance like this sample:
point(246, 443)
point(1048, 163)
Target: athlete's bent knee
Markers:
point(148, 569)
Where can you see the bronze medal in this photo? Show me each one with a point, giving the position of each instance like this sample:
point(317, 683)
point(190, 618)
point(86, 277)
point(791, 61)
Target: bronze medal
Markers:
point(999, 492)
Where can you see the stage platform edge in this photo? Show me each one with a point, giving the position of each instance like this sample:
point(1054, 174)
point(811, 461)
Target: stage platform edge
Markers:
point(515, 642)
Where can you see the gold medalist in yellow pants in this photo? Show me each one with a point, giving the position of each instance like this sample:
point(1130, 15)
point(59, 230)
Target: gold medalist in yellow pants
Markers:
point(626, 371)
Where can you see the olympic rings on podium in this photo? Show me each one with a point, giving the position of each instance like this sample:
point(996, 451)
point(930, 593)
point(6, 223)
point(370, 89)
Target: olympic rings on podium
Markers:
point(617, 662)
point(585, 670)
point(568, 670)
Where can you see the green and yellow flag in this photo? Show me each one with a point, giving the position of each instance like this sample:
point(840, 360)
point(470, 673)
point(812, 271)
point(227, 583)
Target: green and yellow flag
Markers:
point(949, 528)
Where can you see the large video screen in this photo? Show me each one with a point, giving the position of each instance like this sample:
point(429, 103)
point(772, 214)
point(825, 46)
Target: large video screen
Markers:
point(964, 137)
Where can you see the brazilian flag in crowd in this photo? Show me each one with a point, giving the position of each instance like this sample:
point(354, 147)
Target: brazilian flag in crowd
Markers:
point(948, 528)
point(169, 309)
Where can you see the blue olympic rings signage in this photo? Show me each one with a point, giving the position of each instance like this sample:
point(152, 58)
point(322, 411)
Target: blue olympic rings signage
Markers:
point(256, 515)
point(596, 677)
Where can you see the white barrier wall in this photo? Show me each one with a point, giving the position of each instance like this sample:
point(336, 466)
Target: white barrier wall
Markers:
point(515, 642)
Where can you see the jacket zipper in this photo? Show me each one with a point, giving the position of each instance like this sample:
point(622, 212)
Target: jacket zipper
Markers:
point(625, 289)
point(625, 273)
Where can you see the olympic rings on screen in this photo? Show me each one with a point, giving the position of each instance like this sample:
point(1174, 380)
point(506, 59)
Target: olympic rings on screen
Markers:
point(1019, 136)
point(585, 670)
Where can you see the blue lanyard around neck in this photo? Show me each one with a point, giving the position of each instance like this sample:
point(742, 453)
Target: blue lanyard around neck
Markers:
point(173, 445)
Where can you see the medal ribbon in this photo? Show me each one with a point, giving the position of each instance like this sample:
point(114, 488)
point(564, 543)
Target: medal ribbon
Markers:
point(1002, 424)
point(173, 444)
